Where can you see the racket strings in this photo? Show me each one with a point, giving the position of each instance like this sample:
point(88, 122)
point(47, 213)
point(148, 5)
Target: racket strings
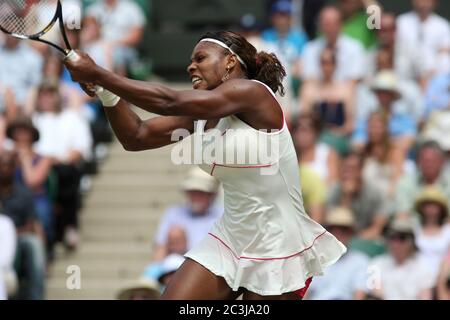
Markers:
point(26, 17)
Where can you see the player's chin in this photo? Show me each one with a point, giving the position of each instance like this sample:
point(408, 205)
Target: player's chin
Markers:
point(200, 85)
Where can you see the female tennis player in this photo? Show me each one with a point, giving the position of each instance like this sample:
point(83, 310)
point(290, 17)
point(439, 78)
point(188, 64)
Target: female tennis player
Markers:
point(265, 246)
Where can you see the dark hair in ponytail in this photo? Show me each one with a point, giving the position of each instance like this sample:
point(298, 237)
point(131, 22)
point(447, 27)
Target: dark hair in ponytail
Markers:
point(261, 66)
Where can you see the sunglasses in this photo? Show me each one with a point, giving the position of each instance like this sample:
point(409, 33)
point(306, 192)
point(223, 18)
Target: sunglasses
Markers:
point(400, 236)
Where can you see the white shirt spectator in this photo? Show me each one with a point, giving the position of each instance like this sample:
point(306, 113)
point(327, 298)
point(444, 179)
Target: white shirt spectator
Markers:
point(61, 133)
point(409, 62)
point(350, 55)
point(20, 70)
point(433, 248)
point(196, 227)
point(118, 21)
point(401, 282)
point(432, 35)
point(342, 280)
point(7, 250)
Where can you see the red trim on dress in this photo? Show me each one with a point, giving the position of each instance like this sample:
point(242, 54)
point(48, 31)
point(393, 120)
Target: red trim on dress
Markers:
point(263, 259)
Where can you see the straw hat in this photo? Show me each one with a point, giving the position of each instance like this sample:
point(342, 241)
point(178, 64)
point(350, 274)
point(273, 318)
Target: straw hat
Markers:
point(386, 80)
point(431, 194)
point(340, 217)
point(151, 287)
point(199, 180)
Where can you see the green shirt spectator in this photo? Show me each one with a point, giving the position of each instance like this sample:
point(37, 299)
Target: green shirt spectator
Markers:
point(356, 28)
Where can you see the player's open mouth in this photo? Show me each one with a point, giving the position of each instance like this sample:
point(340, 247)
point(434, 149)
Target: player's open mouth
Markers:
point(196, 81)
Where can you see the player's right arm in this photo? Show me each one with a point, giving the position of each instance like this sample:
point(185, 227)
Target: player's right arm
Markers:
point(136, 135)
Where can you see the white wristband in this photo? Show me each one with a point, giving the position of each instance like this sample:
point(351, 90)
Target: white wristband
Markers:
point(107, 98)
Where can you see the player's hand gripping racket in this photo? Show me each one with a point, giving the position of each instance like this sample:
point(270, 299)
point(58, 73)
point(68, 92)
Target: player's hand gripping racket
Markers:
point(32, 19)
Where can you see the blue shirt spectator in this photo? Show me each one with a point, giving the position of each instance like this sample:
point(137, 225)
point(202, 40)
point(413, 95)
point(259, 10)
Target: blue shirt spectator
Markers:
point(399, 125)
point(437, 95)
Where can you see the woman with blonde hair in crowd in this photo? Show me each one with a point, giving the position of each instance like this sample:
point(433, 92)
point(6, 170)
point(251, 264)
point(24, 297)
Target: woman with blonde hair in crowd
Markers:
point(384, 164)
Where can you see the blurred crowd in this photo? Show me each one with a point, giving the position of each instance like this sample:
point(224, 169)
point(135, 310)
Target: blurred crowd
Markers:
point(368, 110)
point(52, 137)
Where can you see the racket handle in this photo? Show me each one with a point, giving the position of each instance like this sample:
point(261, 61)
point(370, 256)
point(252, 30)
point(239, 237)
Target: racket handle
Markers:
point(73, 56)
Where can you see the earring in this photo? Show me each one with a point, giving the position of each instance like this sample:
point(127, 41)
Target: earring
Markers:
point(227, 75)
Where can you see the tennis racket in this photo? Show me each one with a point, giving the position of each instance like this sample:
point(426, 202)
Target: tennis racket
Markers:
point(33, 19)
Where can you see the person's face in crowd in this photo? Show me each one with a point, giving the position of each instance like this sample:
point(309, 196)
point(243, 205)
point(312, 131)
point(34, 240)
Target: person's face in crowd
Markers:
point(431, 213)
point(386, 33)
point(208, 66)
point(90, 30)
point(305, 134)
point(330, 22)
point(48, 101)
point(111, 3)
point(11, 43)
point(401, 246)
point(200, 201)
point(424, 7)
point(430, 163)
point(177, 240)
point(351, 174)
point(22, 137)
point(377, 130)
point(282, 22)
point(343, 233)
point(7, 167)
point(386, 97)
point(384, 60)
point(327, 64)
point(349, 7)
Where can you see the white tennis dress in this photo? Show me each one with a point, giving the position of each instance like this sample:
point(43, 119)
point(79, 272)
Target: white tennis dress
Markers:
point(264, 242)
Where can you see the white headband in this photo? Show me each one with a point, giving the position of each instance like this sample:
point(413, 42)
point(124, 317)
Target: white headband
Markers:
point(223, 45)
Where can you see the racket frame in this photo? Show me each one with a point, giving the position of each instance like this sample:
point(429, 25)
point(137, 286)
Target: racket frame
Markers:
point(36, 37)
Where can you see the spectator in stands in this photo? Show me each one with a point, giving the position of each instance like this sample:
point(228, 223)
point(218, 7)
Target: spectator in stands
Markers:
point(400, 274)
point(332, 101)
point(350, 55)
point(18, 204)
point(8, 111)
point(402, 127)
point(433, 236)
point(20, 69)
point(310, 12)
point(141, 289)
point(33, 172)
point(443, 284)
point(122, 26)
point(176, 243)
point(428, 32)
point(346, 279)
point(8, 240)
point(384, 163)
point(406, 60)
point(287, 42)
point(66, 138)
point(313, 192)
point(437, 126)
point(355, 22)
point(437, 94)
point(318, 156)
point(362, 197)
point(430, 171)
point(196, 217)
point(94, 45)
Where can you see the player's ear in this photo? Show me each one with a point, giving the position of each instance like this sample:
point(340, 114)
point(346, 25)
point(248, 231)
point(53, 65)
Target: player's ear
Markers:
point(232, 61)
